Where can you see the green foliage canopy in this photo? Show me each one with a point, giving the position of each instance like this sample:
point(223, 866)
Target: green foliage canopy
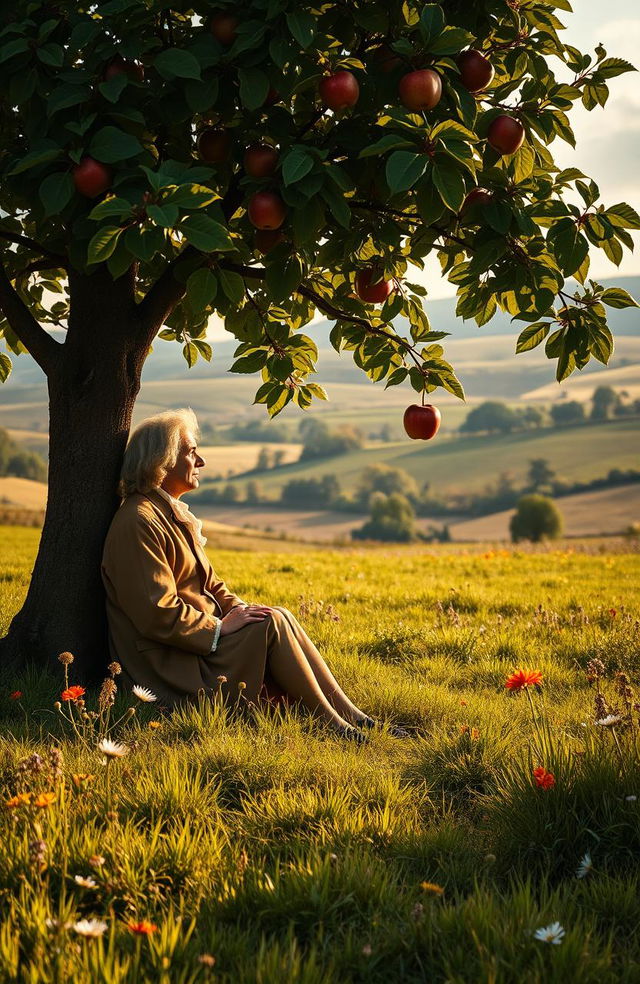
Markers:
point(536, 518)
point(373, 186)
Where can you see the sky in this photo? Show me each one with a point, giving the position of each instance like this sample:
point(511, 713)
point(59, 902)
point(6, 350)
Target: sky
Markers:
point(607, 140)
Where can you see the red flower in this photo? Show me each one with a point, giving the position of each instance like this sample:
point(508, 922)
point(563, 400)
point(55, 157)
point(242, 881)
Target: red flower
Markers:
point(523, 678)
point(73, 693)
point(544, 779)
point(16, 695)
point(613, 612)
point(142, 928)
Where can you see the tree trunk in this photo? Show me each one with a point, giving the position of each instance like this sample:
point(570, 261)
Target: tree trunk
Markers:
point(91, 397)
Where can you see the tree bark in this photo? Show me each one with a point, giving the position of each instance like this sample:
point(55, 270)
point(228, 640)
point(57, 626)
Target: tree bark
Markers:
point(92, 391)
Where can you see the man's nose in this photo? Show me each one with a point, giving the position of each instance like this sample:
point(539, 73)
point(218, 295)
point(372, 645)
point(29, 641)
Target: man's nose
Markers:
point(200, 461)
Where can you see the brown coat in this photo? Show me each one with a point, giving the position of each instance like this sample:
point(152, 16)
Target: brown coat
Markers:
point(163, 600)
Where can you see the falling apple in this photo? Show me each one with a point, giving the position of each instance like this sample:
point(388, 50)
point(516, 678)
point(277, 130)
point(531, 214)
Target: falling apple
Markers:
point(506, 134)
point(224, 26)
point(421, 89)
point(476, 71)
point(91, 178)
point(340, 90)
point(214, 144)
point(266, 210)
point(371, 288)
point(421, 423)
point(260, 160)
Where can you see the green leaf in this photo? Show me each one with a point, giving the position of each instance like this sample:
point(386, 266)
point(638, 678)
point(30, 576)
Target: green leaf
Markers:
point(387, 142)
point(624, 216)
point(318, 391)
point(51, 54)
point(190, 353)
point(569, 246)
point(404, 168)
point(617, 297)
point(13, 48)
point(164, 215)
point(611, 67)
point(113, 89)
point(250, 363)
point(204, 349)
point(295, 165)
point(56, 192)
point(338, 205)
point(254, 87)
point(202, 286)
point(111, 145)
point(232, 285)
point(532, 336)
point(451, 41)
point(431, 21)
point(37, 157)
point(452, 384)
point(189, 196)
point(102, 245)
point(498, 215)
point(5, 367)
point(302, 26)
point(111, 208)
point(523, 162)
point(176, 63)
point(66, 95)
point(283, 278)
point(205, 233)
point(450, 185)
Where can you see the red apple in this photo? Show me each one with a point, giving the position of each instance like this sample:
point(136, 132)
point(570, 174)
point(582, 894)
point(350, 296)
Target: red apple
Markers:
point(475, 198)
point(476, 71)
point(91, 178)
point(421, 89)
point(421, 423)
point(267, 239)
point(223, 26)
point(340, 90)
point(266, 210)
point(272, 96)
point(214, 145)
point(372, 293)
point(386, 59)
point(506, 135)
point(260, 160)
point(123, 66)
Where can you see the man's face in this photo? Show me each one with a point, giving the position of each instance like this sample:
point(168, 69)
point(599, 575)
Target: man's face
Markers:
point(183, 477)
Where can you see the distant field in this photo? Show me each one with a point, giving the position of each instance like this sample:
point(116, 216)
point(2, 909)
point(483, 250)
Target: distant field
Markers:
point(23, 492)
point(233, 458)
point(471, 463)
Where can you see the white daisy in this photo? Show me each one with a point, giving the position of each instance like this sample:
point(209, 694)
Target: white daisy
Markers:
point(144, 695)
point(90, 927)
point(609, 721)
point(550, 934)
point(85, 882)
point(112, 749)
point(585, 867)
point(631, 799)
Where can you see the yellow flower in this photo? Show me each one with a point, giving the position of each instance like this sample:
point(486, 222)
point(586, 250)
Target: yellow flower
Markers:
point(431, 889)
point(154, 725)
point(22, 799)
point(44, 799)
point(80, 778)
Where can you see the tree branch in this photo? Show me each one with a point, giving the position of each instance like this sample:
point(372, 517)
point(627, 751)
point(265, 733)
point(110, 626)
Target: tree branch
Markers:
point(14, 237)
point(162, 297)
point(39, 343)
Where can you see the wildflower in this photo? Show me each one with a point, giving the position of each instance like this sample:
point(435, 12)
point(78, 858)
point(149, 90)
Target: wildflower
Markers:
point(33, 765)
point(367, 950)
point(90, 928)
point(221, 678)
point(550, 934)
point(114, 668)
point(585, 867)
point(73, 693)
point(38, 854)
point(55, 762)
point(112, 749)
point(44, 800)
point(66, 659)
point(146, 696)
point(207, 959)
point(463, 703)
point(242, 686)
point(142, 928)
point(154, 725)
point(475, 734)
point(22, 799)
point(107, 695)
point(544, 779)
point(85, 882)
point(16, 695)
point(96, 860)
point(431, 889)
point(417, 912)
point(609, 721)
point(80, 778)
point(631, 799)
point(613, 612)
point(596, 668)
point(523, 678)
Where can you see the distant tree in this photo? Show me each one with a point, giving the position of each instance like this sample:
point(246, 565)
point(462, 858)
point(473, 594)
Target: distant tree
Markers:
point(230, 493)
point(16, 461)
point(384, 478)
point(492, 416)
point(311, 493)
point(532, 417)
point(260, 430)
point(253, 493)
point(604, 402)
point(536, 518)
point(392, 520)
point(539, 473)
point(278, 458)
point(386, 434)
point(322, 442)
point(263, 462)
point(567, 413)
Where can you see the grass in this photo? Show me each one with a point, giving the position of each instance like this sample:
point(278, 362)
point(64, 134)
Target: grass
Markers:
point(265, 845)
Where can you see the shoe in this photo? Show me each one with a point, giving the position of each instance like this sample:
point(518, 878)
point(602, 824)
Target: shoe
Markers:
point(392, 729)
point(352, 734)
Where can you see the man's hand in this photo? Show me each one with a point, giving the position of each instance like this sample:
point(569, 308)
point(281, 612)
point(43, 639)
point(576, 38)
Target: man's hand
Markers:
point(240, 616)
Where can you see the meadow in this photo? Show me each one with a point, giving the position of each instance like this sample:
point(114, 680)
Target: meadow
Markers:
point(249, 845)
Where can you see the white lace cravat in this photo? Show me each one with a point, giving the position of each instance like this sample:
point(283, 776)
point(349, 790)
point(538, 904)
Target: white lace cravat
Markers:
point(183, 512)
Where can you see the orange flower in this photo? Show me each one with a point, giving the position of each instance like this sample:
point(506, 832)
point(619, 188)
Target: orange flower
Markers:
point(154, 725)
point(523, 678)
point(142, 928)
point(80, 778)
point(73, 693)
point(544, 779)
point(16, 695)
point(22, 799)
point(431, 889)
point(44, 799)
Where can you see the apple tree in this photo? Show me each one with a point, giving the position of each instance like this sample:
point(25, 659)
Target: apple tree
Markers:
point(265, 160)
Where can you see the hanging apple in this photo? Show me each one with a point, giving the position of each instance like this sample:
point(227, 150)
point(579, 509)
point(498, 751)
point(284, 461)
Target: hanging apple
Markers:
point(339, 91)
point(123, 66)
point(223, 26)
point(266, 210)
point(91, 178)
point(214, 144)
point(267, 239)
point(421, 89)
point(371, 288)
point(476, 71)
point(260, 160)
point(421, 423)
point(506, 134)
